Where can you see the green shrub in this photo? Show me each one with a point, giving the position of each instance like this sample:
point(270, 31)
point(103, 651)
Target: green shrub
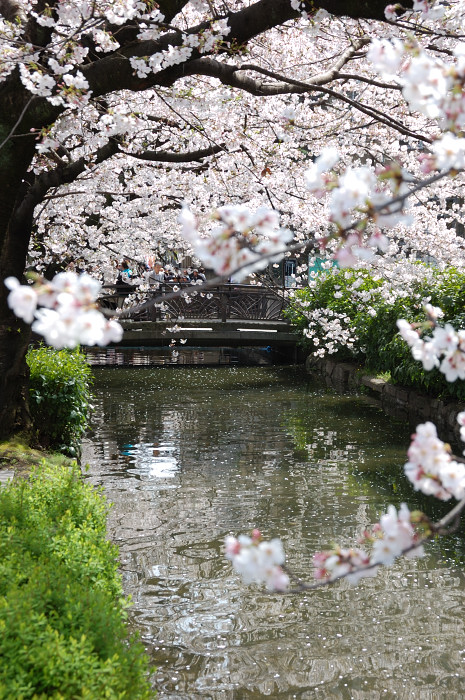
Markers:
point(63, 628)
point(386, 351)
point(340, 300)
point(366, 309)
point(59, 397)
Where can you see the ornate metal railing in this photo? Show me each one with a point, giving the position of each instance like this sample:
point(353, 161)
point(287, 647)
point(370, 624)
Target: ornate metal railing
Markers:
point(225, 302)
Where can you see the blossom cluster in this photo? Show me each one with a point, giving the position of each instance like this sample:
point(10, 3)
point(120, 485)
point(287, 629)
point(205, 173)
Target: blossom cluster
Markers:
point(430, 466)
point(204, 42)
point(432, 87)
point(396, 534)
point(445, 343)
point(68, 315)
point(258, 561)
point(243, 242)
point(55, 74)
point(70, 87)
point(330, 328)
point(357, 191)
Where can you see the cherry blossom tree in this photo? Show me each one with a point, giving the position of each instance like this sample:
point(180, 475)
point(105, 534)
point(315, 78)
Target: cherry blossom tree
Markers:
point(114, 114)
point(376, 191)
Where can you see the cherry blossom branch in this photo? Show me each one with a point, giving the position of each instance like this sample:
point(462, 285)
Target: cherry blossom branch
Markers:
point(401, 198)
point(18, 121)
point(438, 528)
point(228, 75)
point(368, 81)
point(320, 78)
point(450, 517)
point(173, 157)
point(376, 114)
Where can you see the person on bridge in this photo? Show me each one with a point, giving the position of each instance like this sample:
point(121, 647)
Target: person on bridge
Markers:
point(124, 274)
point(169, 274)
point(156, 275)
point(197, 277)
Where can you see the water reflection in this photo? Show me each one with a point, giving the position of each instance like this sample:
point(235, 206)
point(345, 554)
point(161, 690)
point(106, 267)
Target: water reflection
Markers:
point(151, 460)
point(188, 356)
point(188, 456)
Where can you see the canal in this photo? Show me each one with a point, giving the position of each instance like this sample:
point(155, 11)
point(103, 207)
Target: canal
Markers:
point(189, 455)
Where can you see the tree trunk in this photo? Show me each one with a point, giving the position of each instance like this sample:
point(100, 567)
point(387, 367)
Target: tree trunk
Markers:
point(15, 232)
point(14, 340)
point(14, 376)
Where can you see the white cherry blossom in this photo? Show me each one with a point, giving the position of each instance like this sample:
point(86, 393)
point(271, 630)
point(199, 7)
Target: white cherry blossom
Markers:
point(258, 561)
point(431, 468)
point(22, 299)
point(67, 315)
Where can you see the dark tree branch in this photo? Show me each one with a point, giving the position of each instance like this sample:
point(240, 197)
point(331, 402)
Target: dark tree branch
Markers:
point(230, 75)
point(168, 157)
point(62, 175)
point(114, 72)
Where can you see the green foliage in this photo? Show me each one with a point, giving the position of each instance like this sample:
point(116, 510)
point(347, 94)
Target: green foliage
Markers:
point(377, 341)
point(386, 351)
point(340, 297)
point(63, 628)
point(449, 293)
point(59, 397)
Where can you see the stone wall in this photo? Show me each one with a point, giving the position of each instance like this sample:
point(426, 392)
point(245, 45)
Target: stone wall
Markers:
point(398, 401)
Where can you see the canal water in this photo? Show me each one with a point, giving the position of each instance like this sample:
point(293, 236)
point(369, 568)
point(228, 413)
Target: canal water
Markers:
point(188, 456)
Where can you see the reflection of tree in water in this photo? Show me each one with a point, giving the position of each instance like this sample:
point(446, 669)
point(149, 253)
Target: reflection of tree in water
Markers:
point(298, 464)
point(220, 437)
point(252, 434)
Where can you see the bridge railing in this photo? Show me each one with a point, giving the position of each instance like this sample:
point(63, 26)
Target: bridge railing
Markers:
point(223, 303)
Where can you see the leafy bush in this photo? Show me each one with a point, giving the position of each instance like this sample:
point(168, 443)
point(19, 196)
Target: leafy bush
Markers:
point(353, 315)
point(59, 397)
point(63, 629)
point(335, 313)
point(386, 351)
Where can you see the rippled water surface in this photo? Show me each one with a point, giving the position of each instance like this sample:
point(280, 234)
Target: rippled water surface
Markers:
point(190, 455)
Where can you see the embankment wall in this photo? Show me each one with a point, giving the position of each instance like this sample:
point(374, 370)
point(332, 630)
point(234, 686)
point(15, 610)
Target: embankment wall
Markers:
point(397, 401)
